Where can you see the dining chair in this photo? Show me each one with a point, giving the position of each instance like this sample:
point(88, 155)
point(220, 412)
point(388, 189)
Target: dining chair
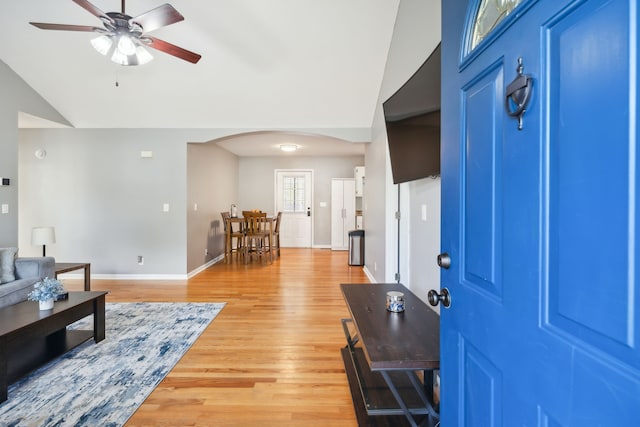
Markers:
point(232, 230)
point(276, 235)
point(256, 235)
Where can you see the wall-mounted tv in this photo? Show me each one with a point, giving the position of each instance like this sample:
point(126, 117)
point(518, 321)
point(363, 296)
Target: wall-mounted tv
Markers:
point(412, 117)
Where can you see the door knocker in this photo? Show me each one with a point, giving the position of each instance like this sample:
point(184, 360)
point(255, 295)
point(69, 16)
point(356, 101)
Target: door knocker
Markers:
point(518, 94)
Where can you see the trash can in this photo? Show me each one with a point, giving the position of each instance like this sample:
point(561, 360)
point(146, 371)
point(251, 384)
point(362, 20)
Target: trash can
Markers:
point(356, 247)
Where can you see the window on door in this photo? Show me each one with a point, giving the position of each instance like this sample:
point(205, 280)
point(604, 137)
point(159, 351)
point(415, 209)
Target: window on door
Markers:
point(490, 14)
point(294, 193)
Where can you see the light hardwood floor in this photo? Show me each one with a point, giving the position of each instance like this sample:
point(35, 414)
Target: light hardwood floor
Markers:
point(270, 358)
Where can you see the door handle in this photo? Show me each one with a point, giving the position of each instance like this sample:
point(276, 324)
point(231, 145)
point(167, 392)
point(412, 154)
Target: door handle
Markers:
point(436, 298)
point(519, 94)
point(444, 260)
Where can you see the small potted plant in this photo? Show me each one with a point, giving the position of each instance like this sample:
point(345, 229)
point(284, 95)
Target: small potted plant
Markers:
point(45, 292)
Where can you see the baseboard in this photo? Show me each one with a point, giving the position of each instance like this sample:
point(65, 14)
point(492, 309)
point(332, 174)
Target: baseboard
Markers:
point(369, 275)
point(205, 266)
point(144, 276)
point(133, 276)
point(321, 247)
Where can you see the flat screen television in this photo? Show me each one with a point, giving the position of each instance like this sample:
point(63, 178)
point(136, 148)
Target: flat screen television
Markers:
point(412, 118)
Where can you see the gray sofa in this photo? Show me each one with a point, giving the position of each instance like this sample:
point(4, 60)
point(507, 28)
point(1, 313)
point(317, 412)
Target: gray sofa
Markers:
point(26, 272)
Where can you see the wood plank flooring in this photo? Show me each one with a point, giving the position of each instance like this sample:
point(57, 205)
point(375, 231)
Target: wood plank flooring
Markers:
point(270, 358)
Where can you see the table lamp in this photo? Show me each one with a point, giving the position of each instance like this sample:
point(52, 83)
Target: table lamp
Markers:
point(43, 236)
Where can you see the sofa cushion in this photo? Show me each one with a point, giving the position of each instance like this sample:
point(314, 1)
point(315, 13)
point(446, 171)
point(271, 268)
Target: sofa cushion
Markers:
point(7, 264)
point(16, 291)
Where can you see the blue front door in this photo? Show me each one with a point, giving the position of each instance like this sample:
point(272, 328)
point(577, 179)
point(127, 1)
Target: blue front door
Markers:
point(540, 222)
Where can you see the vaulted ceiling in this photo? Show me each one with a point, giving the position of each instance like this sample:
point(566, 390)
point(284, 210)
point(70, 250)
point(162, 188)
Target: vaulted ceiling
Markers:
point(266, 64)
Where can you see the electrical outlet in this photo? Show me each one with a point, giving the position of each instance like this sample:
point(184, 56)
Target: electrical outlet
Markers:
point(5, 208)
point(140, 260)
point(206, 251)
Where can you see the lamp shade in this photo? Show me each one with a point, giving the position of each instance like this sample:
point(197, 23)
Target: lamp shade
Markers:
point(43, 235)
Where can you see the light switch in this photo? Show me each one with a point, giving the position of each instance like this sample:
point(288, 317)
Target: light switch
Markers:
point(195, 206)
point(5, 208)
point(424, 212)
point(165, 207)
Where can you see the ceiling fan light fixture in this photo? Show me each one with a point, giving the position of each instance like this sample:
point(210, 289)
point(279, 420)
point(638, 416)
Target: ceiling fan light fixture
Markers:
point(119, 57)
point(143, 55)
point(127, 51)
point(102, 44)
point(126, 45)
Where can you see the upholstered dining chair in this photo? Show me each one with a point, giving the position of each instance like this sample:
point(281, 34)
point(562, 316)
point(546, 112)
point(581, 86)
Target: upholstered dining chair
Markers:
point(233, 233)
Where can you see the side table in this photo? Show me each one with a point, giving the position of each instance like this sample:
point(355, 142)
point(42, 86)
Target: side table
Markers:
point(390, 358)
point(65, 267)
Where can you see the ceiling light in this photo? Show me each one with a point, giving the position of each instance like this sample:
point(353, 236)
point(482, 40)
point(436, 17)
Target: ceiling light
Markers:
point(128, 51)
point(143, 55)
point(119, 57)
point(102, 44)
point(288, 147)
point(126, 45)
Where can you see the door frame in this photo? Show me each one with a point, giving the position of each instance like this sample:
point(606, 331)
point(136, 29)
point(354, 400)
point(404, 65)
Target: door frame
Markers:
point(311, 203)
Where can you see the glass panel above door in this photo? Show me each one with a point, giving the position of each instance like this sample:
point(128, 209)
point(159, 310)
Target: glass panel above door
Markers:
point(490, 14)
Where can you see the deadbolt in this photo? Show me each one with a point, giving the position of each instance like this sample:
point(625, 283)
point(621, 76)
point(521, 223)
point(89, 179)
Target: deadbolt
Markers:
point(444, 260)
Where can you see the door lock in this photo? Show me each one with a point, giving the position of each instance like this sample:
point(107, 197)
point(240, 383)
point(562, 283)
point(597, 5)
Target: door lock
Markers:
point(436, 298)
point(444, 260)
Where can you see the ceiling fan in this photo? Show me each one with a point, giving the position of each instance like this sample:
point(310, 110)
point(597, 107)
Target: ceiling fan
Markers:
point(124, 38)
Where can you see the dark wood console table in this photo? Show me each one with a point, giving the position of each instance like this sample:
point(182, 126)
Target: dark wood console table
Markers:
point(390, 357)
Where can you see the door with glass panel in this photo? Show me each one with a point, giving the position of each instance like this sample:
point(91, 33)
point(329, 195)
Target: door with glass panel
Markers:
point(540, 191)
point(294, 194)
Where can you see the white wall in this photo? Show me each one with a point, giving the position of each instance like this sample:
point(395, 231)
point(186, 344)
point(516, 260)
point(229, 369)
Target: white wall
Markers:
point(15, 96)
point(256, 185)
point(424, 242)
point(416, 35)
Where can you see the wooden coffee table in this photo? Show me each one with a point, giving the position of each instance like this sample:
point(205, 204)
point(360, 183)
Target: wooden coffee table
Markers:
point(30, 337)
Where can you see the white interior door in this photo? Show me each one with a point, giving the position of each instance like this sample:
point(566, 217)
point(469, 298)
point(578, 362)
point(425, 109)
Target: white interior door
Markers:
point(294, 195)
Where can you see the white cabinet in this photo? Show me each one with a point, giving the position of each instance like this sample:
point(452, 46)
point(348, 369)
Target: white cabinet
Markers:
point(358, 174)
point(343, 211)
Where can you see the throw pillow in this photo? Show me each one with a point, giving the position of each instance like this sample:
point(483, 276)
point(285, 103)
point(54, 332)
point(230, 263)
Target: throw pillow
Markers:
point(7, 264)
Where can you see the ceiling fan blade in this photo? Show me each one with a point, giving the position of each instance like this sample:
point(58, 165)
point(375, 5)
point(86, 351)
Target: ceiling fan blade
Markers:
point(64, 27)
point(159, 17)
point(171, 49)
point(94, 10)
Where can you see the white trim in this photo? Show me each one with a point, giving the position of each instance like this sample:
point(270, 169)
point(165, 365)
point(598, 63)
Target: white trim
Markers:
point(205, 266)
point(136, 276)
point(369, 275)
point(321, 247)
point(145, 276)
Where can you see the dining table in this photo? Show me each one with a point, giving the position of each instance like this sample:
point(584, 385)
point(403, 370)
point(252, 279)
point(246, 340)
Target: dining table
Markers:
point(239, 223)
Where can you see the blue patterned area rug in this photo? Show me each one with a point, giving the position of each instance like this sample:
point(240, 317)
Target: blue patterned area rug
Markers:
point(103, 384)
